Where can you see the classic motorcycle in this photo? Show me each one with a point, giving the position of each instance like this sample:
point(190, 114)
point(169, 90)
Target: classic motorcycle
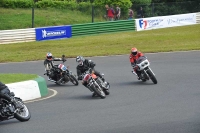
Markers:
point(9, 111)
point(62, 75)
point(95, 84)
point(142, 65)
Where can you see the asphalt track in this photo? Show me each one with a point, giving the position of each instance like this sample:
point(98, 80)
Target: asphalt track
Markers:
point(171, 106)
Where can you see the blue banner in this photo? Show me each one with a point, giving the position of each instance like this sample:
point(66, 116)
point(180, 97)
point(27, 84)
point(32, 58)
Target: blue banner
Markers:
point(55, 32)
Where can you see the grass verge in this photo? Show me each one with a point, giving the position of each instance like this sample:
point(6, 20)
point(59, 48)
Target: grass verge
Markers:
point(22, 18)
point(16, 77)
point(181, 38)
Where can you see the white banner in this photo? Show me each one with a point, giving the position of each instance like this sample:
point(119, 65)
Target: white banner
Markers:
point(165, 21)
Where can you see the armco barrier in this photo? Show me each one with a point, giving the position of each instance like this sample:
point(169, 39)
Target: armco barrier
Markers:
point(30, 89)
point(198, 17)
point(103, 27)
point(16, 36)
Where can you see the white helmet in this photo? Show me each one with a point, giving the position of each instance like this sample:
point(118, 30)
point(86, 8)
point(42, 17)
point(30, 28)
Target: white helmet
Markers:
point(80, 60)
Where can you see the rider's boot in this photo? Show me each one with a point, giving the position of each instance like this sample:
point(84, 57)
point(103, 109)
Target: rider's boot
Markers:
point(106, 91)
point(138, 75)
point(93, 95)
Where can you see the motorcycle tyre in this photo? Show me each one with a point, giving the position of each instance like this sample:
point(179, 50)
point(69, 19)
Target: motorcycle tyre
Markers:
point(74, 79)
point(107, 92)
point(98, 93)
point(144, 80)
point(21, 118)
point(152, 77)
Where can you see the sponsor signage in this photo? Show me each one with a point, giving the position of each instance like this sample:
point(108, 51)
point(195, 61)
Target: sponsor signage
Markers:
point(165, 21)
point(55, 32)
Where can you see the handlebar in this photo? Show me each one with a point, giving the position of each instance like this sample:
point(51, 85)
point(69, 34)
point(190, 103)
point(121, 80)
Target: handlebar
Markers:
point(88, 71)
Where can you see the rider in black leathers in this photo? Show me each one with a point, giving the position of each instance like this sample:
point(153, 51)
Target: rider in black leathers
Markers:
point(84, 65)
point(49, 64)
point(5, 93)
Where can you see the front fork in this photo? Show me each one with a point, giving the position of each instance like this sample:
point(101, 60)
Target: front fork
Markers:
point(145, 71)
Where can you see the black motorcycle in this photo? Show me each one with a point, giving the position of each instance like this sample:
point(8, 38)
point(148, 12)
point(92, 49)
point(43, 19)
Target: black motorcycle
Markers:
point(62, 75)
point(8, 110)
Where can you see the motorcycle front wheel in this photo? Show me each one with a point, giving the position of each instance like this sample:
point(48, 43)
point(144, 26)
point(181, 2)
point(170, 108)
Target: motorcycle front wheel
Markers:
point(152, 77)
point(73, 80)
point(98, 91)
point(22, 114)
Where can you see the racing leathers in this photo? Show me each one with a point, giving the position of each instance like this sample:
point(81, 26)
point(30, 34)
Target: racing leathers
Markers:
point(133, 59)
point(5, 93)
point(85, 67)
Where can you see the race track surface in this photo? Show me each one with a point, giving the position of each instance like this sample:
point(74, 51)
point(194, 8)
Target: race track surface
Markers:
point(171, 106)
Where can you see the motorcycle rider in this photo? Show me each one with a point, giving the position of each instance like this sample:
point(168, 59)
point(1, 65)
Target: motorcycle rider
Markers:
point(135, 54)
point(5, 93)
point(49, 64)
point(83, 66)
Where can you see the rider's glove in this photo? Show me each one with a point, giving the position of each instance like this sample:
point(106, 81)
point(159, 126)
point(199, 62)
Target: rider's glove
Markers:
point(135, 68)
point(133, 64)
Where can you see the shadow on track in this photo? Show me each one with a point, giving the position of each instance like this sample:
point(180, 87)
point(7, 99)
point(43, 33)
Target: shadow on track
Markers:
point(131, 83)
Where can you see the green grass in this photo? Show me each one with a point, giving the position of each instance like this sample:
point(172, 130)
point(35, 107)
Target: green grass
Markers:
point(22, 18)
point(181, 38)
point(16, 77)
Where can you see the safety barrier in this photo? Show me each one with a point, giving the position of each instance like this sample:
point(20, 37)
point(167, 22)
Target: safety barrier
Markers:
point(16, 36)
point(28, 35)
point(198, 17)
point(103, 27)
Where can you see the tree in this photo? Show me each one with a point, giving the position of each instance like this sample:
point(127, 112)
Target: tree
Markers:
point(141, 1)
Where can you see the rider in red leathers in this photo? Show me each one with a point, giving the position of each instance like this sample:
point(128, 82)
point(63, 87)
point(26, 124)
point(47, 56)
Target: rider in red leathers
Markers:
point(135, 54)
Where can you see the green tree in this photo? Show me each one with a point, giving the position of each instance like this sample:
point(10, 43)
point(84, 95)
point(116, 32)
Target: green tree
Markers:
point(141, 1)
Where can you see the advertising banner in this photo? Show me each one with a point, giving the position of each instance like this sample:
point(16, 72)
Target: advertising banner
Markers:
point(55, 32)
point(165, 21)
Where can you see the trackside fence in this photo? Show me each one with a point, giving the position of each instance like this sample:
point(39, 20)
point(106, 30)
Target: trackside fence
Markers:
point(198, 17)
point(28, 35)
point(103, 27)
point(17, 36)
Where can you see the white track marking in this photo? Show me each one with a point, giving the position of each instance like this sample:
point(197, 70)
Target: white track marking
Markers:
point(54, 93)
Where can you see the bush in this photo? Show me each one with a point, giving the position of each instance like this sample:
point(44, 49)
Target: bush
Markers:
point(16, 3)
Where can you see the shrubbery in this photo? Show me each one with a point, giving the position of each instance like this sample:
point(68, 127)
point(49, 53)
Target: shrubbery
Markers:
point(16, 3)
point(150, 9)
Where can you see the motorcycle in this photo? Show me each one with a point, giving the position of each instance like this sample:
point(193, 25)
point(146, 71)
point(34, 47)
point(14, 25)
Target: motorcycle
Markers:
point(9, 111)
point(62, 74)
point(95, 84)
point(142, 65)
